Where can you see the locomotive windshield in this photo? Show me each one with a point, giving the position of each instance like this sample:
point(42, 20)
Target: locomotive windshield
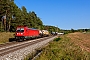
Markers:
point(20, 30)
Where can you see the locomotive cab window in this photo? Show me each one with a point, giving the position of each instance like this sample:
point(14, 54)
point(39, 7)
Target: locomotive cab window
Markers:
point(20, 30)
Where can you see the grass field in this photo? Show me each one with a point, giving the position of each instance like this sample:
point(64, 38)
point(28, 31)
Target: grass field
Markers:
point(73, 46)
point(4, 37)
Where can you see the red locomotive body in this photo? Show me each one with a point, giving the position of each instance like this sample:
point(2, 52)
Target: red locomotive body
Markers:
point(23, 32)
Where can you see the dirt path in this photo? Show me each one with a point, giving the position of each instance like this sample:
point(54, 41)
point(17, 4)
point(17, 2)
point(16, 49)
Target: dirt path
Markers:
point(81, 39)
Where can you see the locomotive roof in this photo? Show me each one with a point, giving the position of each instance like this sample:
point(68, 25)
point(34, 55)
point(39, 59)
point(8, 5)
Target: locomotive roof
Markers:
point(32, 28)
point(27, 27)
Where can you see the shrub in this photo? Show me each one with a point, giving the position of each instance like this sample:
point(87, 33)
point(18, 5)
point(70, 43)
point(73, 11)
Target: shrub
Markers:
point(57, 39)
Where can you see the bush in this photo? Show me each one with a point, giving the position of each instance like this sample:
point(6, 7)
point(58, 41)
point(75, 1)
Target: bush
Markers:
point(57, 39)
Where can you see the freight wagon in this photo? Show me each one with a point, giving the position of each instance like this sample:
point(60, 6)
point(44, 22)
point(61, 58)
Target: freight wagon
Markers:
point(45, 32)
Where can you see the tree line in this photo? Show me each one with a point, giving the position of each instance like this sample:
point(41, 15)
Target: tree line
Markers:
point(12, 16)
point(73, 30)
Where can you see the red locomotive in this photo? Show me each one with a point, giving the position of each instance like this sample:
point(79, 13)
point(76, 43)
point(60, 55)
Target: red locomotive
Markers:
point(23, 32)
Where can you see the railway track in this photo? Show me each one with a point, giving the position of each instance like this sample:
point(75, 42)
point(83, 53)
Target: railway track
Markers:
point(13, 46)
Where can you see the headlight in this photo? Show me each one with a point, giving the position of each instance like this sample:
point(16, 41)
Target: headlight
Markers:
point(17, 33)
point(21, 33)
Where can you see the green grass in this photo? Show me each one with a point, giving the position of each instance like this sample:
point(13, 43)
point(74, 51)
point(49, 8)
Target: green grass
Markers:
point(63, 49)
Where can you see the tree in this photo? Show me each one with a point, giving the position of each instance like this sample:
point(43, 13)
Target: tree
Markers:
point(16, 16)
point(6, 10)
point(72, 30)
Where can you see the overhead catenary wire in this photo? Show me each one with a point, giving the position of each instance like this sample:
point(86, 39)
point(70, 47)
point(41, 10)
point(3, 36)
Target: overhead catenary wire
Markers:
point(19, 4)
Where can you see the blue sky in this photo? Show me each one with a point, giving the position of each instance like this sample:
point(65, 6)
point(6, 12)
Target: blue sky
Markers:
point(65, 14)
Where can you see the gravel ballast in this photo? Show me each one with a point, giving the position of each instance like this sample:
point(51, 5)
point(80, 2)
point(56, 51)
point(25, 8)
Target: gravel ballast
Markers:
point(22, 53)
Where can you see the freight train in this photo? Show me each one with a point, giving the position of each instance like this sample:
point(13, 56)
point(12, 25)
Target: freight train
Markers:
point(24, 33)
